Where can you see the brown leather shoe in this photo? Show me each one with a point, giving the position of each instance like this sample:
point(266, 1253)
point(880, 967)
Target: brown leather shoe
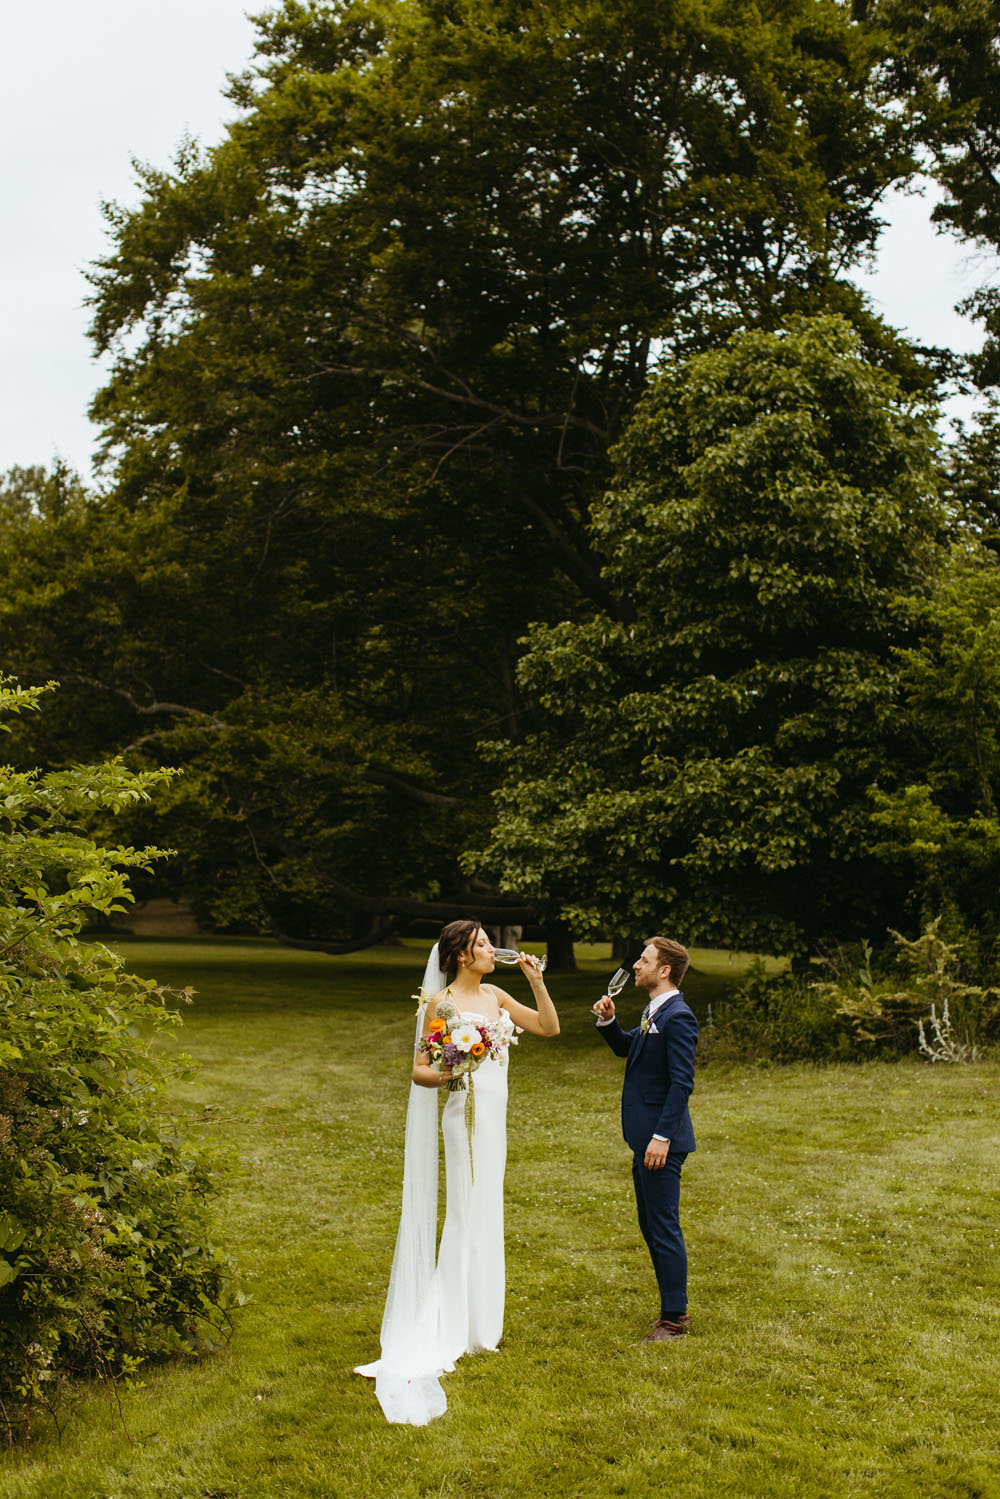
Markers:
point(663, 1330)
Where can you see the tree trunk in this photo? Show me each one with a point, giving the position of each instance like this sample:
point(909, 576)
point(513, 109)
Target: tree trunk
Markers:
point(559, 943)
point(365, 927)
point(625, 950)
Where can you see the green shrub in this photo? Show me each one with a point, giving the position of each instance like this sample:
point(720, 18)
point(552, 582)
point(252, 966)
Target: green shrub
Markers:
point(106, 1256)
point(778, 1018)
point(886, 1019)
point(861, 1011)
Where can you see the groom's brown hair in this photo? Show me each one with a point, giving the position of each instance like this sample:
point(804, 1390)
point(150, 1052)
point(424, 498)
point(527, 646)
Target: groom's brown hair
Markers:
point(671, 956)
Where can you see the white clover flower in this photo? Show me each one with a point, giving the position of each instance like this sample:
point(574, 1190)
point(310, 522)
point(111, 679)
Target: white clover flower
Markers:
point(464, 1036)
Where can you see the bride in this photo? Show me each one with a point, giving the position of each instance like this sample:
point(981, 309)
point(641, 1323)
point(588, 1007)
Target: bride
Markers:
point(435, 1313)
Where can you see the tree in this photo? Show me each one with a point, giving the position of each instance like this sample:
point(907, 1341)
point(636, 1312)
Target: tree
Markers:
point(106, 1256)
point(456, 232)
point(27, 493)
point(707, 766)
point(946, 72)
point(973, 477)
point(300, 783)
point(369, 356)
point(940, 822)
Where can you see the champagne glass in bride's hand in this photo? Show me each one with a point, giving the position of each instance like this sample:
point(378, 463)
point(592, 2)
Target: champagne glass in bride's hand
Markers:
point(508, 955)
point(617, 984)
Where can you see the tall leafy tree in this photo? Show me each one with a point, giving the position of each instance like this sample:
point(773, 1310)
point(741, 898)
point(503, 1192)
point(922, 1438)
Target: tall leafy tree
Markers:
point(292, 787)
point(941, 818)
point(704, 757)
point(946, 71)
point(369, 356)
point(460, 230)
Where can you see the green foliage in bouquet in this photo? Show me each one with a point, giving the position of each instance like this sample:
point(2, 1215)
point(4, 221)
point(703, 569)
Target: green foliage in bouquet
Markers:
point(106, 1256)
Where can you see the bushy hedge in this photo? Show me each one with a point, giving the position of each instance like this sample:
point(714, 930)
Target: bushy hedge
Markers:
point(106, 1251)
point(775, 1018)
point(911, 1000)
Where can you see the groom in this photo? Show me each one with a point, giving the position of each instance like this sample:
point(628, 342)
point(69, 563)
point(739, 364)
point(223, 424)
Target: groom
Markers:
point(659, 1075)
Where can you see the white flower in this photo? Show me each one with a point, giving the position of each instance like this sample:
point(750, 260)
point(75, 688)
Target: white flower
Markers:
point(503, 1028)
point(464, 1036)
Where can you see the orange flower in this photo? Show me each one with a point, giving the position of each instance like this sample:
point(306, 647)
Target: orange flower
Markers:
point(436, 1025)
point(478, 1049)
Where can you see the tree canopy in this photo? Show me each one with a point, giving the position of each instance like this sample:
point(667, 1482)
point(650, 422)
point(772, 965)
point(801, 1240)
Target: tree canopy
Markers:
point(945, 69)
point(939, 820)
point(707, 754)
point(369, 355)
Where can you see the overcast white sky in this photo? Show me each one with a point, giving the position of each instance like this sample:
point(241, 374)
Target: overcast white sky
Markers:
point(86, 85)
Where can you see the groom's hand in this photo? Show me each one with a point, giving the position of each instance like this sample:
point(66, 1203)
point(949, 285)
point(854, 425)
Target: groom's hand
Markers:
point(605, 1008)
point(656, 1155)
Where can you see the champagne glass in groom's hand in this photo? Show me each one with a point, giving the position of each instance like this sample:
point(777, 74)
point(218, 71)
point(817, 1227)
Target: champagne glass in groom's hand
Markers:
point(617, 984)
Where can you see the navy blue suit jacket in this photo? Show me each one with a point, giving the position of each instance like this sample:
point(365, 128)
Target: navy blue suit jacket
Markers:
point(659, 1075)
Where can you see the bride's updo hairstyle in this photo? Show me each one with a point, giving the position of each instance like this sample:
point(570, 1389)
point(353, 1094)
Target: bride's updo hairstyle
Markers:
point(454, 940)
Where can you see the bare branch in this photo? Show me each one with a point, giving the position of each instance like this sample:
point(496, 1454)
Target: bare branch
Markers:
point(397, 783)
point(512, 911)
point(179, 710)
point(354, 944)
point(465, 441)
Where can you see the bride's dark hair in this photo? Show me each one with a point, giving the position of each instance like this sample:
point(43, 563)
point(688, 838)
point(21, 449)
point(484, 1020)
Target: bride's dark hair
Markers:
point(453, 941)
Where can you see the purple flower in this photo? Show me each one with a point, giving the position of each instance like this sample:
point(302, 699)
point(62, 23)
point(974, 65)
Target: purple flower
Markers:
point(451, 1055)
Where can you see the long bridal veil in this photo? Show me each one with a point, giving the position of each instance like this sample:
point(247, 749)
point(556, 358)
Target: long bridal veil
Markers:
point(406, 1376)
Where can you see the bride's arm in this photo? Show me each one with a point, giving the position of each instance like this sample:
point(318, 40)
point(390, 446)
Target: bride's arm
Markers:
point(542, 1021)
point(426, 1076)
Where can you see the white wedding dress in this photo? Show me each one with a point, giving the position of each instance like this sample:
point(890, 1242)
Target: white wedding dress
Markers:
point(467, 1287)
point(436, 1312)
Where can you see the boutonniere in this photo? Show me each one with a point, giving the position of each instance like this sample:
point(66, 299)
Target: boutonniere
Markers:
point(648, 1027)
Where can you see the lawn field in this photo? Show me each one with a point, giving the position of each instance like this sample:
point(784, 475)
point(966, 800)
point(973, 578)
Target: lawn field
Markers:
point(842, 1226)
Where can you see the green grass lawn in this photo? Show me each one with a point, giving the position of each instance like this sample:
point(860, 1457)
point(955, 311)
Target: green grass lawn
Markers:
point(842, 1227)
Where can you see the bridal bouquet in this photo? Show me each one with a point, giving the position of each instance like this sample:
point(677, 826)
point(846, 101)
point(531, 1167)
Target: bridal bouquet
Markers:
point(462, 1046)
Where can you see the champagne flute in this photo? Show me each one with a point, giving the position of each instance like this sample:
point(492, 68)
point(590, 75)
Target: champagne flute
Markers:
point(508, 955)
point(617, 983)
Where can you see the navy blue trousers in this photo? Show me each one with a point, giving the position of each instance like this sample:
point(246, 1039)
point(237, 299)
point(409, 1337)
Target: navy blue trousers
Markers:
point(657, 1197)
